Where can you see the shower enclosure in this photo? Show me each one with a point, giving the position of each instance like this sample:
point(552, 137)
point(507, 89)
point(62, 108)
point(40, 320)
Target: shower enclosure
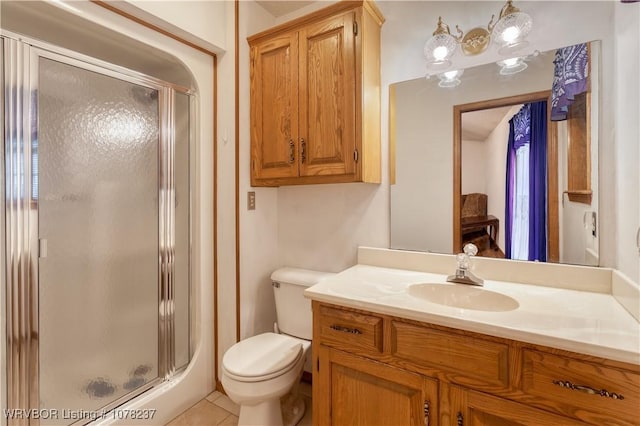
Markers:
point(96, 233)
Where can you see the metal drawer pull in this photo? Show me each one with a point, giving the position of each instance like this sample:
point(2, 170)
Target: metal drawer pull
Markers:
point(303, 147)
point(426, 413)
point(460, 419)
point(345, 329)
point(587, 389)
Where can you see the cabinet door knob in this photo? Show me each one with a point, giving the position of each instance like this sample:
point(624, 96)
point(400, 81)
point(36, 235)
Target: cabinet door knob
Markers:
point(292, 155)
point(303, 150)
point(460, 419)
point(426, 413)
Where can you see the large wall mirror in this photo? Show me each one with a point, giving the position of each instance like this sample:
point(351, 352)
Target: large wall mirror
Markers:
point(489, 161)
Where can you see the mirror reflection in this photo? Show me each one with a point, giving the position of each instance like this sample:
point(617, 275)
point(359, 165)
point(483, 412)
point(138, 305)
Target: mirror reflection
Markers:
point(520, 145)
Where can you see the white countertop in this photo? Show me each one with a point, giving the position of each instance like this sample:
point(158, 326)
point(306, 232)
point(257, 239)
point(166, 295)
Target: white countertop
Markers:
point(578, 321)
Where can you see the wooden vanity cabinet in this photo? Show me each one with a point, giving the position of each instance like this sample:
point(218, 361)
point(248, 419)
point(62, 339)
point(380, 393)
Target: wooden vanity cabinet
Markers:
point(315, 98)
point(375, 369)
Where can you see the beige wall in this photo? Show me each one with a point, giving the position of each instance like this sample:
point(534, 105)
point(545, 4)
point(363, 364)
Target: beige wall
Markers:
point(497, 170)
point(627, 136)
point(201, 22)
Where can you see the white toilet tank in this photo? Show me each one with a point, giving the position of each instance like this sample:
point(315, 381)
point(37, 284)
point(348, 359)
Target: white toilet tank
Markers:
point(293, 310)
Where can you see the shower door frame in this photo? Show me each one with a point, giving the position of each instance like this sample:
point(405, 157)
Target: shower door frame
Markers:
point(20, 213)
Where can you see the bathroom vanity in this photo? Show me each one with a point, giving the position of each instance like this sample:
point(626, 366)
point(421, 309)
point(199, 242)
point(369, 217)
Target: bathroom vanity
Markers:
point(401, 346)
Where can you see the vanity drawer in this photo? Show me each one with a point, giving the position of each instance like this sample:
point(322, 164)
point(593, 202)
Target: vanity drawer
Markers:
point(350, 330)
point(590, 392)
point(463, 359)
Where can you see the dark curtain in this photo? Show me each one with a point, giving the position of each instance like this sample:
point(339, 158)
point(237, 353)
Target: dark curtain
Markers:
point(509, 190)
point(538, 183)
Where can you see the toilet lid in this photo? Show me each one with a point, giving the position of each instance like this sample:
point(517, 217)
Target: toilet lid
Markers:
point(262, 355)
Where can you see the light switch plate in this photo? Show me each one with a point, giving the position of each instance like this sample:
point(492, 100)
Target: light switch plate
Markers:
point(251, 200)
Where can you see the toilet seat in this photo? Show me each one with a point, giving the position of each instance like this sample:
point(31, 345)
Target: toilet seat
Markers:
point(262, 357)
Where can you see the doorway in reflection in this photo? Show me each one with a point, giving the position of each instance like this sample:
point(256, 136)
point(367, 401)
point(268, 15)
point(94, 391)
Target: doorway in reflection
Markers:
point(504, 183)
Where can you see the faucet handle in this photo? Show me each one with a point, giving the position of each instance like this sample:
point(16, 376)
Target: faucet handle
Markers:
point(463, 261)
point(470, 249)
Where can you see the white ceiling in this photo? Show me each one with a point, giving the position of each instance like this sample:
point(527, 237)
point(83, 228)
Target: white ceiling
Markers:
point(478, 125)
point(280, 8)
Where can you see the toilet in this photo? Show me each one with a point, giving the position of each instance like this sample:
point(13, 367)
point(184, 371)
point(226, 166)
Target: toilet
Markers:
point(259, 371)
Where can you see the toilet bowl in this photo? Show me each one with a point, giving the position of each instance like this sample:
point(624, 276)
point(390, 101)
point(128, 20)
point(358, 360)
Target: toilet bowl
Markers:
point(261, 373)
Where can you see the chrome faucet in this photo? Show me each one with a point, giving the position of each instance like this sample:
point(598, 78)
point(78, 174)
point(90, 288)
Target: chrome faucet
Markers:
point(463, 273)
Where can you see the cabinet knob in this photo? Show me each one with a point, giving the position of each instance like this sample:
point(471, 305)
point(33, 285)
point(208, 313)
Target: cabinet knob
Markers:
point(292, 155)
point(426, 413)
point(303, 150)
point(460, 419)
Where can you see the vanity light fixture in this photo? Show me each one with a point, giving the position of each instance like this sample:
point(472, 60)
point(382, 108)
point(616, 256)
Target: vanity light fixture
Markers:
point(509, 33)
point(511, 29)
point(450, 78)
point(440, 48)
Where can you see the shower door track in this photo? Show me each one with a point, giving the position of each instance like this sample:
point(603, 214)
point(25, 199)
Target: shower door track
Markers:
point(20, 214)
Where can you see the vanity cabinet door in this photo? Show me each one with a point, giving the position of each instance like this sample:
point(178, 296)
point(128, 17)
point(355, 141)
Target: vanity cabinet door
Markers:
point(463, 407)
point(350, 390)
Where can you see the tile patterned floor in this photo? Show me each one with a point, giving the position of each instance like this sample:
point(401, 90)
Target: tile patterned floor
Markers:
point(218, 410)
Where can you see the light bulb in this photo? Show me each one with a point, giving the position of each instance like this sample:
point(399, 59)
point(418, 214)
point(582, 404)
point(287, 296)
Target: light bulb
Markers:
point(511, 34)
point(450, 78)
point(440, 53)
point(450, 75)
point(512, 66)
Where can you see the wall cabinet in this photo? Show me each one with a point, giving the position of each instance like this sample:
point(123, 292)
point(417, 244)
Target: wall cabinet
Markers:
point(315, 98)
point(374, 369)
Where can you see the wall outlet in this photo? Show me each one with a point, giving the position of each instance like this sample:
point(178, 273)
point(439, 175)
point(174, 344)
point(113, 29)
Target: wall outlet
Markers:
point(251, 200)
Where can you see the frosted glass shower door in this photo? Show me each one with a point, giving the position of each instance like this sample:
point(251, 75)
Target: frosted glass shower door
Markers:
point(97, 192)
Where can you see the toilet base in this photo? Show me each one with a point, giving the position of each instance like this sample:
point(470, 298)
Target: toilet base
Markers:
point(293, 409)
point(264, 413)
point(273, 412)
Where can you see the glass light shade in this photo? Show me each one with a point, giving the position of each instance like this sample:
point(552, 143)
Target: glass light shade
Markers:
point(438, 50)
point(450, 78)
point(511, 30)
point(512, 66)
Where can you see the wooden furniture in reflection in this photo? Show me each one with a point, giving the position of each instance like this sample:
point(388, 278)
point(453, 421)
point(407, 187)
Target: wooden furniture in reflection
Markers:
point(479, 228)
point(476, 223)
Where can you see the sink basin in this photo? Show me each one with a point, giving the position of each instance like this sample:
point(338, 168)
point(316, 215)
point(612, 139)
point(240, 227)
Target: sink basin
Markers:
point(463, 296)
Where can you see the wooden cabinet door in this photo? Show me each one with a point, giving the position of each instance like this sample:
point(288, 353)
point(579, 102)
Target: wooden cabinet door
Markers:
point(353, 391)
point(274, 108)
point(327, 97)
point(463, 407)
